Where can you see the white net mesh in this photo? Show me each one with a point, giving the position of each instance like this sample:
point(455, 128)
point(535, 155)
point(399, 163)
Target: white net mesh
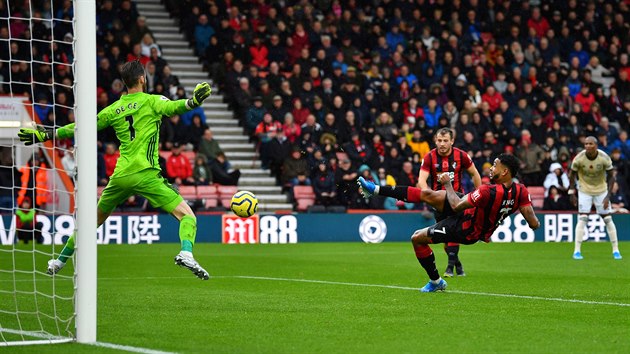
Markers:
point(36, 87)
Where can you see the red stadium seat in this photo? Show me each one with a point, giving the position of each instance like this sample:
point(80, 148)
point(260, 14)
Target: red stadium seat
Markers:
point(188, 192)
point(304, 197)
point(225, 195)
point(166, 154)
point(209, 196)
point(538, 196)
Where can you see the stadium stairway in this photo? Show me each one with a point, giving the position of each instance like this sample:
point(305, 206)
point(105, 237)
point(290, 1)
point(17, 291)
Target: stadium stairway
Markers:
point(240, 152)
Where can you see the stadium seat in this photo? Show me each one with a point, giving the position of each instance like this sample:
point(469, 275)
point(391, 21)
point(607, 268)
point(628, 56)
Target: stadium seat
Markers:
point(304, 197)
point(538, 196)
point(225, 194)
point(188, 192)
point(208, 195)
point(166, 154)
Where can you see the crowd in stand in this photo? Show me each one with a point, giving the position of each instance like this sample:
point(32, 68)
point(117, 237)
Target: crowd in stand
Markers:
point(375, 79)
point(332, 89)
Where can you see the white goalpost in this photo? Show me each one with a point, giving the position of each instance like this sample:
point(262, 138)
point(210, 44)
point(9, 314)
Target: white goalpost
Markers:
point(39, 85)
point(85, 93)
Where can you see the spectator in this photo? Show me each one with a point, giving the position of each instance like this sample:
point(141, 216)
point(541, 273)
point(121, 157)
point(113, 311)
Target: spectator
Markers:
point(195, 131)
point(147, 45)
point(222, 172)
point(432, 113)
point(294, 166)
point(201, 172)
point(531, 156)
point(111, 157)
point(556, 200)
point(203, 33)
point(556, 178)
point(265, 132)
point(418, 144)
point(358, 150)
point(279, 150)
point(25, 223)
point(178, 167)
point(323, 183)
point(139, 30)
point(68, 163)
point(291, 130)
point(347, 189)
point(208, 146)
point(254, 115)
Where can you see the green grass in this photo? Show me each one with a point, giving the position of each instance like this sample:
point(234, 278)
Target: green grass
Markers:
point(146, 301)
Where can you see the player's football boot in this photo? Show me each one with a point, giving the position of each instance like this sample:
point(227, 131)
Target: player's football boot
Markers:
point(367, 188)
point(578, 255)
point(431, 288)
point(189, 262)
point(448, 273)
point(617, 255)
point(54, 266)
point(459, 270)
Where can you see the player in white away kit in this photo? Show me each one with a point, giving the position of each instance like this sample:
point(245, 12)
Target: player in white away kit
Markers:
point(594, 169)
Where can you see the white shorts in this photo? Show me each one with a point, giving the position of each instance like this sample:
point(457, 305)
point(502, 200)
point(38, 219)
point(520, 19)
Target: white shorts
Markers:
point(585, 201)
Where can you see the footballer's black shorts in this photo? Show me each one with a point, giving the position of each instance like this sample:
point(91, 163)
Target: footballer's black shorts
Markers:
point(446, 209)
point(451, 230)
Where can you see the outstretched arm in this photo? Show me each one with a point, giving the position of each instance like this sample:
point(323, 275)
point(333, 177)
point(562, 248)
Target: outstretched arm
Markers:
point(40, 134)
point(530, 217)
point(457, 204)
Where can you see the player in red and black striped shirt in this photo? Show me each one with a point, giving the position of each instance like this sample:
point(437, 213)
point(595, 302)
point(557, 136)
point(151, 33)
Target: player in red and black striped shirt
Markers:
point(447, 159)
point(478, 214)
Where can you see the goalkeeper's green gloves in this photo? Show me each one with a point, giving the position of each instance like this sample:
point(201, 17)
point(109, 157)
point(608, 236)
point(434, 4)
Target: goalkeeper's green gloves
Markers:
point(38, 135)
point(201, 92)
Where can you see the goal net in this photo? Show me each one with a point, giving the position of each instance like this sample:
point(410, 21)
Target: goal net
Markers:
point(38, 205)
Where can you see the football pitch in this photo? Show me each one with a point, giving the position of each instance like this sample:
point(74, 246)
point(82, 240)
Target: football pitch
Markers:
point(350, 298)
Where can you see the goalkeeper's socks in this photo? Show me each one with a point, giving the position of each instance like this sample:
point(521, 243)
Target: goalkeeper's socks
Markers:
point(188, 232)
point(68, 250)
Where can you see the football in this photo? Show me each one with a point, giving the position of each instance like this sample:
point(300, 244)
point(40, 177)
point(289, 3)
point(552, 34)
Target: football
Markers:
point(244, 204)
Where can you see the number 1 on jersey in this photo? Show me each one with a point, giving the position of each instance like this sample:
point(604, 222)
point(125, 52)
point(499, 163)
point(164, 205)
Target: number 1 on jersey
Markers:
point(132, 131)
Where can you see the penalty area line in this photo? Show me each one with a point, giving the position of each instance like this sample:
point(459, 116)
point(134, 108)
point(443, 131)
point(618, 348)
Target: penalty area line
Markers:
point(475, 293)
point(128, 348)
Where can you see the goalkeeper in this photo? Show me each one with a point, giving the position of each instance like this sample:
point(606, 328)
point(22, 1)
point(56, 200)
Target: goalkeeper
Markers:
point(136, 118)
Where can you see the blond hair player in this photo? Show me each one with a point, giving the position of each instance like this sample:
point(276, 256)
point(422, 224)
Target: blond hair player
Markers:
point(594, 169)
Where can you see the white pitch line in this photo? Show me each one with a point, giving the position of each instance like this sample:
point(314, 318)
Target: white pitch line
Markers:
point(527, 297)
point(128, 348)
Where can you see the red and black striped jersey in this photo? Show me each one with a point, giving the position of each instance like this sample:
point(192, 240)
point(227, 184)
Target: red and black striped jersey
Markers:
point(455, 163)
point(492, 204)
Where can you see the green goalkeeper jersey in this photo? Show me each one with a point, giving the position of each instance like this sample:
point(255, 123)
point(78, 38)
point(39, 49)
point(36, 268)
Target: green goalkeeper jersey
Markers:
point(136, 118)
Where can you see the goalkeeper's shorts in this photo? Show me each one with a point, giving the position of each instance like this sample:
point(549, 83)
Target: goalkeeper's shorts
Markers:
point(148, 183)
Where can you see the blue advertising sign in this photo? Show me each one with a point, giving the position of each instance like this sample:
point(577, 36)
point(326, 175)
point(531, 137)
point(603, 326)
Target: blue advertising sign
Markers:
point(292, 228)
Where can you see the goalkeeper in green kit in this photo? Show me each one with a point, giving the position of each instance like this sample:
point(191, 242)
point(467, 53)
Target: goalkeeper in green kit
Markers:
point(136, 118)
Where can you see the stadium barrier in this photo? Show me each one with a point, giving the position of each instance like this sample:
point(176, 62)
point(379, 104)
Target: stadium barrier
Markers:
point(292, 228)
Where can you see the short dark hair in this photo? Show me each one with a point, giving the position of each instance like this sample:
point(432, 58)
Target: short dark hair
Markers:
point(511, 162)
point(445, 131)
point(131, 73)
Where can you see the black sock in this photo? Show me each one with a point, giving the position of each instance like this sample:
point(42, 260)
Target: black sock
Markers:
point(428, 263)
point(396, 192)
point(456, 256)
point(451, 251)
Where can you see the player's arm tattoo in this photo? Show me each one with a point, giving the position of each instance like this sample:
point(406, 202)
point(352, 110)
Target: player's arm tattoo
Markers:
point(530, 217)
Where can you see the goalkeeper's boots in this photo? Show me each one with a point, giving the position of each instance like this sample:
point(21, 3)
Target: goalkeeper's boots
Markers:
point(54, 266)
point(431, 287)
point(578, 255)
point(448, 273)
point(189, 262)
point(617, 255)
point(367, 188)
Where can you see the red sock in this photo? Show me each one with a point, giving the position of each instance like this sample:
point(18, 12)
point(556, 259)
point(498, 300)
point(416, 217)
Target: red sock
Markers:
point(427, 260)
point(422, 251)
point(414, 195)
